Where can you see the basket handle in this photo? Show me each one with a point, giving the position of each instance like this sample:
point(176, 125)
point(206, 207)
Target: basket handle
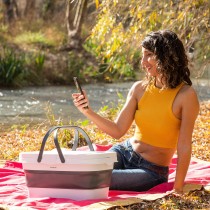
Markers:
point(55, 129)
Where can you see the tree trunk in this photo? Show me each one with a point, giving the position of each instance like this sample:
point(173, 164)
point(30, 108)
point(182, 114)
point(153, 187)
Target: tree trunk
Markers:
point(75, 13)
point(12, 12)
point(47, 8)
point(29, 11)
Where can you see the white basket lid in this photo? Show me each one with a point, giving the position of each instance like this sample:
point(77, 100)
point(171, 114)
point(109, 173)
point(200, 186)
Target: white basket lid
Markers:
point(71, 157)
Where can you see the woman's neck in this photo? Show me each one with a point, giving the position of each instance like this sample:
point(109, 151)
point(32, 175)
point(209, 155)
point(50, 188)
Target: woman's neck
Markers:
point(159, 82)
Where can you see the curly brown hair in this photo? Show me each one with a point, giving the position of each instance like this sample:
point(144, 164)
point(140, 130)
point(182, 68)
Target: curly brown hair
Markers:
point(172, 61)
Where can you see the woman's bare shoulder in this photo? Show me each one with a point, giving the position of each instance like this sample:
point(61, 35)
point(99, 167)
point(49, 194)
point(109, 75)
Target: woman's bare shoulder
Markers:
point(188, 96)
point(137, 90)
point(139, 86)
point(188, 91)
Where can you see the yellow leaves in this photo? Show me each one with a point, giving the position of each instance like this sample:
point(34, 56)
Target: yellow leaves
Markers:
point(153, 17)
point(97, 3)
point(121, 25)
point(139, 15)
point(134, 29)
point(115, 45)
point(201, 134)
point(115, 2)
point(102, 28)
point(197, 3)
point(15, 141)
point(115, 41)
point(180, 16)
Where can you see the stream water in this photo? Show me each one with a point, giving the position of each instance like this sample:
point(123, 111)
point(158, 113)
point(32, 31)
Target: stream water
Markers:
point(30, 105)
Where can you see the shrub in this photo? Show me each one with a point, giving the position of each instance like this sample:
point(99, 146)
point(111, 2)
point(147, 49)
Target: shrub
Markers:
point(121, 26)
point(11, 67)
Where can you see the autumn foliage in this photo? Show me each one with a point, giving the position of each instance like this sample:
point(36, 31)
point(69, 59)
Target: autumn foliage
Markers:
point(121, 25)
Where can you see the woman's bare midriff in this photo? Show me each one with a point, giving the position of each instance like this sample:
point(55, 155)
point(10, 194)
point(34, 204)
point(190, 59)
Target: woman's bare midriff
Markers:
point(157, 155)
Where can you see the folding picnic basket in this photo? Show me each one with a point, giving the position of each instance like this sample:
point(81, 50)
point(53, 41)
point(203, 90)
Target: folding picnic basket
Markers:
point(77, 175)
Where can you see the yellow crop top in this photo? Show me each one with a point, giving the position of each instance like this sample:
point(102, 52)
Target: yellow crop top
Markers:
point(155, 122)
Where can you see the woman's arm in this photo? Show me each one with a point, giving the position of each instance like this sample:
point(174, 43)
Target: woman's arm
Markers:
point(124, 120)
point(190, 109)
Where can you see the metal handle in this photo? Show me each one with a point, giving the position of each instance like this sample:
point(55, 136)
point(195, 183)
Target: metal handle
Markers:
point(55, 129)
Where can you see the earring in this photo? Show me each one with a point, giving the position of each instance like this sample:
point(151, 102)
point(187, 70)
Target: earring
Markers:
point(158, 68)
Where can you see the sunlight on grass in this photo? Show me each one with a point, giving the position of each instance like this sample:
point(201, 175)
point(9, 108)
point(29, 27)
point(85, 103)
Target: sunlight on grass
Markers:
point(3, 28)
point(33, 38)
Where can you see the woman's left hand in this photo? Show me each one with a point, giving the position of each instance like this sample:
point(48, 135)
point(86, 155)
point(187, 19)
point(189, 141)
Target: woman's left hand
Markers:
point(176, 192)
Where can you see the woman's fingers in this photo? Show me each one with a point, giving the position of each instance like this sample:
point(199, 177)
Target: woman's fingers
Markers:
point(75, 95)
point(80, 101)
point(175, 192)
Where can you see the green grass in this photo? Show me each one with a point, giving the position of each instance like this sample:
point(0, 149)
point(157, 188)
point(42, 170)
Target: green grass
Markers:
point(33, 38)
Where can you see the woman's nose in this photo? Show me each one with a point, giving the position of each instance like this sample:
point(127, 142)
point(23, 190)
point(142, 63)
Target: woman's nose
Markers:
point(143, 60)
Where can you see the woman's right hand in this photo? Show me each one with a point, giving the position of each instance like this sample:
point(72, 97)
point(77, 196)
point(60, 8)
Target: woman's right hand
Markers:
point(81, 101)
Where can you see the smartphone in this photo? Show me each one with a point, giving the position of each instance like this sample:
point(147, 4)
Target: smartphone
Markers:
point(78, 86)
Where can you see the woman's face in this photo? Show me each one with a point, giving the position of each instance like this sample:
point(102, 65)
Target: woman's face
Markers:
point(149, 62)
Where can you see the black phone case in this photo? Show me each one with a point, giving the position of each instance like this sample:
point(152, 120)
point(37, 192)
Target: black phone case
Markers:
point(78, 86)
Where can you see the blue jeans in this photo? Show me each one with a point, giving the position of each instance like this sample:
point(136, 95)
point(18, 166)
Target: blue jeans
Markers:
point(132, 172)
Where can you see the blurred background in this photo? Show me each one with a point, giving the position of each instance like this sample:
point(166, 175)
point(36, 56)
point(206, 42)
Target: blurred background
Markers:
point(44, 43)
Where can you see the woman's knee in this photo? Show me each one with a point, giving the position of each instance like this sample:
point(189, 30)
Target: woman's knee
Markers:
point(133, 180)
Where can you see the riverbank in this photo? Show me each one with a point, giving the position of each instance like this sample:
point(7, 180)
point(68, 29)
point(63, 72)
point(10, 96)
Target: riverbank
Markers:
point(34, 105)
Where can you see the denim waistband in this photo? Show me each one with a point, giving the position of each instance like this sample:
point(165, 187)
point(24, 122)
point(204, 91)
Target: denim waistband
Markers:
point(143, 163)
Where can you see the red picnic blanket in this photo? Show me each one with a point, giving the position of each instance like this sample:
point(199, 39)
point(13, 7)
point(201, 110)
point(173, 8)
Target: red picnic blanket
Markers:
point(14, 192)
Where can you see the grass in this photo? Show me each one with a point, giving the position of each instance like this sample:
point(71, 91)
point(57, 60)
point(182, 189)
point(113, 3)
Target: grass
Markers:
point(24, 138)
point(198, 199)
point(29, 37)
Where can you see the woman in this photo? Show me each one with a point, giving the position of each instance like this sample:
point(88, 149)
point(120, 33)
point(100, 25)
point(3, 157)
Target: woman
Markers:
point(164, 107)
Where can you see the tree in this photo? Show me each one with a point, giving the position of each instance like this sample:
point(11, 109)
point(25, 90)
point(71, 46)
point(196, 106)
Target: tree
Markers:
point(75, 13)
point(29, 10)
point(11, 10)
point(48, 8)
point(121, 26)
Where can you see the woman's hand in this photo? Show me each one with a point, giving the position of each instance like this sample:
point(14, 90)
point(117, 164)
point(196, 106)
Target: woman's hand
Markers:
point(81, 101)
point(177, 193)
